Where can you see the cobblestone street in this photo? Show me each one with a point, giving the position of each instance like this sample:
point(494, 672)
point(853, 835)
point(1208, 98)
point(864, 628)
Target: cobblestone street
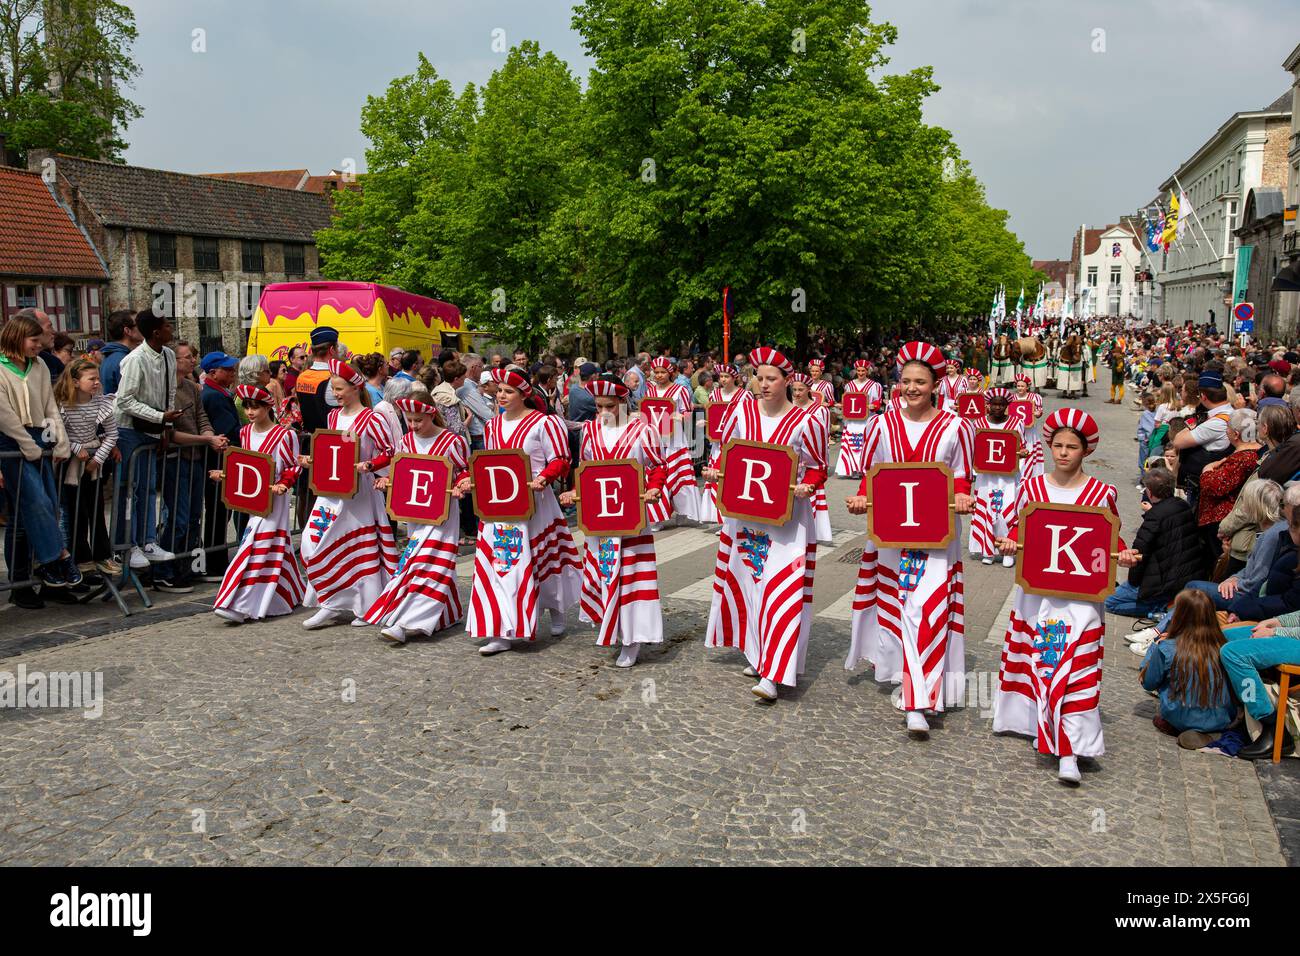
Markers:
point(269, 744)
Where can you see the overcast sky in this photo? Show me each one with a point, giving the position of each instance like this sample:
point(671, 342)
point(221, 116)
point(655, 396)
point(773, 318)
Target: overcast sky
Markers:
point(1060, 135)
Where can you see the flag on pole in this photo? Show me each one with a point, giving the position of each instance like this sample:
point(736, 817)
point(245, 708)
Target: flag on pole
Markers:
point(1171, 229)
point(1184, 213)
point(1153, 233)
point(1067, 311)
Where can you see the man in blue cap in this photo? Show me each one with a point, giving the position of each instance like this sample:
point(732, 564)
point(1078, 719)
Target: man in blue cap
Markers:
point(219, 403)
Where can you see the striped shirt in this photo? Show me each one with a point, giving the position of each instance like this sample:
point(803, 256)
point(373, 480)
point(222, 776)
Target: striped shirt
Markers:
point(84, 422)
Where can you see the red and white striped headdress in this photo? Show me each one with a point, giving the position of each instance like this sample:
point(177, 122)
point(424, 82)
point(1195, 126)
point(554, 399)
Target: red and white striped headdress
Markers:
point(256, 393)
point(1079, 421)
point(727, 370)
point(516, 381)
point(926, 354)
point(766, 356)
point(999, 392)
point(816, 363)
point(346, 372)
point(1022, 377)
point(607, 388)
point(660, 362)
point(862, 363)
point(800, 377)
point(414, 405)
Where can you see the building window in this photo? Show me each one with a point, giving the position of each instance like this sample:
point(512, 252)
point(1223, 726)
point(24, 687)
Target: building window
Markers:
point(27, 297)
point(294, 260)
point(208, 309)
point(207, 254)
point(162, 251)
point(1114, 275)
point(252, 257)
point(1092, 275)
point(71, 308)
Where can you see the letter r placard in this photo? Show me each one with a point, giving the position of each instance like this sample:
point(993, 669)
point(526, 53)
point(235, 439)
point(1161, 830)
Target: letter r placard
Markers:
point(334, 457)
point(911, 505)
point(249, 477)
point(420, 492)
point(1067, 551)
point(757, 482)
point(609, 498)
point(501, 478)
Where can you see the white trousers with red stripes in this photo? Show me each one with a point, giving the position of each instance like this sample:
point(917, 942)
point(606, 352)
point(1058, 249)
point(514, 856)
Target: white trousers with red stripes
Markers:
point(620, 591)
point(709, 513)
point(848, 463)
point(348, 550)
point(263, 578)
point(423, 595)
point(681, 486)
point(995, 501)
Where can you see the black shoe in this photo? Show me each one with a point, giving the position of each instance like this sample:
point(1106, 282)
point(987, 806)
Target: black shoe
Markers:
point(26, 598)
point(71, 571)
point(1262, 746)
point(52, 575)
point(176, 587)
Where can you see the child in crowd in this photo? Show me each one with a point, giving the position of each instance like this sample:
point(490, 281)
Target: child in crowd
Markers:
point(92, 436)
point(1146, 426)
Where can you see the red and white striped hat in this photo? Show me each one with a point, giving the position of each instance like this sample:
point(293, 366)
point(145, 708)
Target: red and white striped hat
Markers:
point(607, 388)
point(506, 376)
point(800, 377)
point(1022, 377)
point(999, 392)
point(862, 363)
point(414, 405)
point(346, 372)
point(766, 356)
point(816, 363)
point(724, 369)
point(254, 392)
point(660, 362)
point(1076, 420)
point(926, 354)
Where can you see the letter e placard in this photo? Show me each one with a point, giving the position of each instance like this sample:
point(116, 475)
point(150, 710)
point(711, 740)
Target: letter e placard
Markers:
point(995, 451)
point(249, 477)
point(757, 482)
point(911, 505)
point(334, 457)
point(609, 498)
point(420, 492)
point(501, 478)
point(1067, 551)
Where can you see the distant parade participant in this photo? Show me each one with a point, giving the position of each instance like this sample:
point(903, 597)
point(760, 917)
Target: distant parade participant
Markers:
point(422, 596)
point(951, 385)
point(1034, 461)
point(762, 593)
point(681, 485)
point(1050, 677)
point(995, 494)
point(974, 380)
point(347, 544)
point(908, 607)
point(729, 392)
point(848, 461)
point(803, 396)
point(263, 578)
point(824, 387)
point(620, 583)
point(522, 568)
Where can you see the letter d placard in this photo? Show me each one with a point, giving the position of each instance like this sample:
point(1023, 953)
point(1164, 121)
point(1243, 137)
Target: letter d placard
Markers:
point(911, 505)
point(501, 478)
point(249, 477)
point(609, 498)
point(1067, 551)
point(757, 482)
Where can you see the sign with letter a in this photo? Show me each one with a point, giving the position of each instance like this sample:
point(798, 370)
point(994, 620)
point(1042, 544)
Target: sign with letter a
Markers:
point(995, 451)
point(714, 413)
point(249, 477)
point(334, 457)
point(911, 505)
point(609, 498)
point(970, 405)
point(1067, 551)
point(420, 489)
point(501, 478)
point(757, 482)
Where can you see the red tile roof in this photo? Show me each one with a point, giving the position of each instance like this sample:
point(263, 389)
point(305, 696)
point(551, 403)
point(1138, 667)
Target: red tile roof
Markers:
point(1056, 269)
point(37, 238)
point(279, 178)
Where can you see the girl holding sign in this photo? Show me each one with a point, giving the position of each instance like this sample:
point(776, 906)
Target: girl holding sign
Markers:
point(677, 451)
point(995, 493)
point(803, 396)
point(1050, 678)
point(848, 464)
point(728, 392)
point(951, 385)
point(1034, 461)
point(762, 592)
point(907, 612)
point(263, 579)
point(524, 567)
point(422, 596)
point(620, 584)
point(822, 388)
point(347, 545)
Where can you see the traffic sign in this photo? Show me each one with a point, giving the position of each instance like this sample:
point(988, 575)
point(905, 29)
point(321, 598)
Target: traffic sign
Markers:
point(1244, 311)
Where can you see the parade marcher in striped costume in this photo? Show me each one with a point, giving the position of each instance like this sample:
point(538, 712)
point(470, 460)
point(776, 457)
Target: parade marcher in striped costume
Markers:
point(620, 583)
point(848, 462)
point(803, 396)
point(728, 391)
point(422, 596)
point(824, 387)
point(1034, 462)
point(951, 385)
point(263, 578)
point(347, 544)
point(995, 495)
point(522, 568)
point(908, 607)
point(974, 380)
point(1050, 677)
point(681, 487)
point(762, 592)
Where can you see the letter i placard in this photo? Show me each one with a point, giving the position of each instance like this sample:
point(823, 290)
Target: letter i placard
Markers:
point(910, 505)
point(501, 477)
point(1067, 551)
point(249, 477)
point(334, 458)
point(609, 498)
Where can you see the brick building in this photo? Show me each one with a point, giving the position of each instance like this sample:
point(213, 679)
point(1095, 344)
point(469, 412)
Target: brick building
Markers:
point(46, 262)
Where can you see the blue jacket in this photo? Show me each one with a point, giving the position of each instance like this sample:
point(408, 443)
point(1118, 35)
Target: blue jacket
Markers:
point(1252, 577)
point(1186, 714)
point(110, 373)
point(1281, 591)
point(222, 414)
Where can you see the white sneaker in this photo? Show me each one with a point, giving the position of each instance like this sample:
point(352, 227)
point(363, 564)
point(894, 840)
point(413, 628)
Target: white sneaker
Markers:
point(1141, 648)
point(764, 689)
point(1008, 560)
point(156, 554)
point(916, 723)
point(322, 618)
point(360, 622)
point(234, 617)
point(1143, 637)
point(495, 646)
point(628, 656)
point(395, 633)
point(749, 671)
point(1069, 771)
point(137, 560)
point(558, 625)
point(986, 560)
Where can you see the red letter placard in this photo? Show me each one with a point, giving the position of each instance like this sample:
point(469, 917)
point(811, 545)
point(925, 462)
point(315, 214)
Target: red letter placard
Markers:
point(715, 413)
point(1067, 551)
point(995, 451)
point(420, 492)
point(334, 457)
point(970, 404)
point(855, 406)
point(501, 478)
point(659, 413)
point(757, 482)
point(249, 477)
point(911, 505)
point(609, 498)
point(1022, 411)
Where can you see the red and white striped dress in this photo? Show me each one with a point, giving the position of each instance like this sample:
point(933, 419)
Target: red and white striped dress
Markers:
point(763, 584)
point(522, 568)
point(821, 512)
point(908, 607)
point(347, 545)
point(995, 496)
point(681, 485)
point(422, 595)
point(1034, 464)
point(825, 388)
point(848, 461)
point(709, 513)
point(949, 390)
point(620, 583)
point(263, 578)
point(1050, 676)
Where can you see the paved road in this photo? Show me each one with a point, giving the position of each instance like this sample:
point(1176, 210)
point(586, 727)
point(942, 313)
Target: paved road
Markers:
point(269, 744)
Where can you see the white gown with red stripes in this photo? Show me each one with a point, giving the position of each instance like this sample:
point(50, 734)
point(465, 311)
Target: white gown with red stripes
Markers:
point(995, 497)
point(709, 513)
point(763, 584)
point(422, 595)
point(821, 510)
point(522, 568)
point(908, 607)
point(263, 578)
point(1050, 676)
point(825, 388)
point(682, 489)
point(347, 545)
point(950, 389)
point(1034, 464)
point(620, 583)
point(848, 461)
